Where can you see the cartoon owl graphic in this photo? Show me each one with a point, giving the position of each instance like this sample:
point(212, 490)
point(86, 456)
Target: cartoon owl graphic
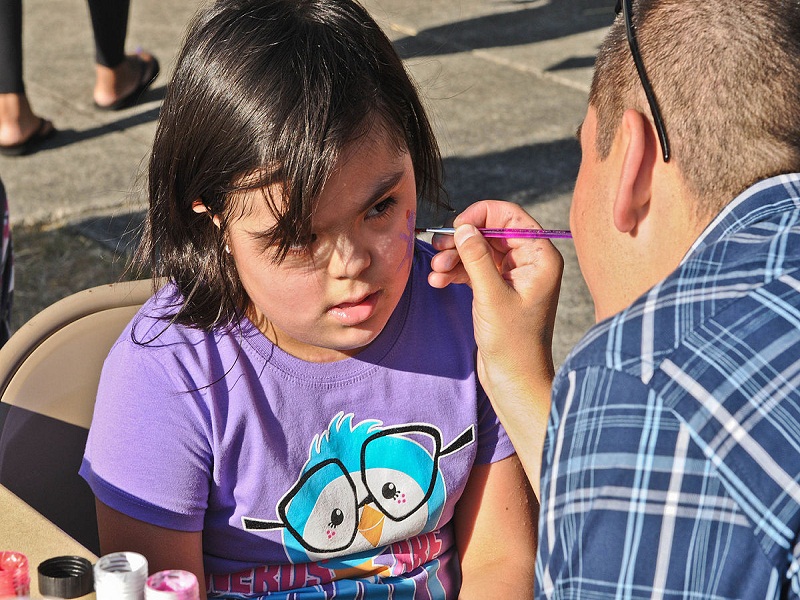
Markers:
point(363, 487)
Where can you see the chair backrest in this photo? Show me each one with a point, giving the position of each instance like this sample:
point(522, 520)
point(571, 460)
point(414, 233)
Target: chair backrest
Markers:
point(49, 372)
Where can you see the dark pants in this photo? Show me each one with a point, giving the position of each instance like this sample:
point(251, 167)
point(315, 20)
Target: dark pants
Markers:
point(109, 27)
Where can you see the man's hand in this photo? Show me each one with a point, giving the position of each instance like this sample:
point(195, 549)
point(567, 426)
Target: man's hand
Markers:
point(515, 284)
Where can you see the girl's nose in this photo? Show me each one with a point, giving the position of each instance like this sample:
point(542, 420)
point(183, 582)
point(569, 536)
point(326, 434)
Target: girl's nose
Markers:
point(349, 259)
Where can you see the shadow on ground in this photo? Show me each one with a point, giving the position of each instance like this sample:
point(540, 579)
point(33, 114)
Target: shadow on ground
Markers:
point(538, 22)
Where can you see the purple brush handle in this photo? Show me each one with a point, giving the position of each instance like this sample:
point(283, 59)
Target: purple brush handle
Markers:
point(507, 233)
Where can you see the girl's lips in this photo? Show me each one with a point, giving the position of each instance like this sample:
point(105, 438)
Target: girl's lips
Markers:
point(355, 313)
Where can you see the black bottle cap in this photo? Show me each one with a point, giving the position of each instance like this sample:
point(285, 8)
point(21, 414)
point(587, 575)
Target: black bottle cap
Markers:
point(65, 577)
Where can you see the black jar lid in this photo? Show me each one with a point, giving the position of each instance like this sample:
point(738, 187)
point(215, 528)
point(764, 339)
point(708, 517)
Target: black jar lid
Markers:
point(65, 577)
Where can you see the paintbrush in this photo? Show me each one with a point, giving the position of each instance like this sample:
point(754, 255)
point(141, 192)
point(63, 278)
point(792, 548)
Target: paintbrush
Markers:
point(505, 233)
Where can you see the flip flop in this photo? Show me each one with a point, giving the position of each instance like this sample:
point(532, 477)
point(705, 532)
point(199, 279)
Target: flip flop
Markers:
point(43, 132)
point(148, 71)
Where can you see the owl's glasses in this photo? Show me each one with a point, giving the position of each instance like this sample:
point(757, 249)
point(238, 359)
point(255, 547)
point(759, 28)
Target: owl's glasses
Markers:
point(337, 524)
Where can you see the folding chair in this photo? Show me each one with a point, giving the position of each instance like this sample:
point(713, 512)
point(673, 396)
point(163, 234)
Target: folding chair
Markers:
point(49, 373)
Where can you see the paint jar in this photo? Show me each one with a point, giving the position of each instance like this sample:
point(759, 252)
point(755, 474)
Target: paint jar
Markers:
point(172, 585)
point(15, 580)
point(120, 576)
point(65, 577)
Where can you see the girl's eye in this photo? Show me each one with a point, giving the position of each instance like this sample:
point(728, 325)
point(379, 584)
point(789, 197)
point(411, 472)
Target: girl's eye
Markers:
point(296, 250)
point(381, 208)
point(300, 250)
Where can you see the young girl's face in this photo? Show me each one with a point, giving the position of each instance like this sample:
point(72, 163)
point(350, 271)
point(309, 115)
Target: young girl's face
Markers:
point(328, 300)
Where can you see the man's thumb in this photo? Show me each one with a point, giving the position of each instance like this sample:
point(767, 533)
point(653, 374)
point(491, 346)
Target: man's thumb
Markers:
point(476, 256)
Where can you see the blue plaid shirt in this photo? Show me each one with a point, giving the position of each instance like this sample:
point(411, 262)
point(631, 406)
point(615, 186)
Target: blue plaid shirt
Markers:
point(671, 467)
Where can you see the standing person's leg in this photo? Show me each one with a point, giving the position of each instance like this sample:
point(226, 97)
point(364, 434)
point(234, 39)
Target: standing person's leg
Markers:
point(11, 47)
point(120, 79)
point(20, 129)
point(109, 27)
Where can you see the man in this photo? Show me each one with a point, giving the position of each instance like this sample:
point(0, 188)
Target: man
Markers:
point(671, 463)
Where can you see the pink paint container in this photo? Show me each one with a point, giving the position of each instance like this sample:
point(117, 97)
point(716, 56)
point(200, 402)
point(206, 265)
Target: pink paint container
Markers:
point(15, 580)
point(172, 585)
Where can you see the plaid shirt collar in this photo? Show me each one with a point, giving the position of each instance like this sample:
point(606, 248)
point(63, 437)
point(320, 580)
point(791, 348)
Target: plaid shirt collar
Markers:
point(754, 204)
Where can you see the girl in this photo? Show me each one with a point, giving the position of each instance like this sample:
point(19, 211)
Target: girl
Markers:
point(296, 412)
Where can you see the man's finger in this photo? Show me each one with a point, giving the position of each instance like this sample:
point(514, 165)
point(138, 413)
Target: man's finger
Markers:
point(477, 259)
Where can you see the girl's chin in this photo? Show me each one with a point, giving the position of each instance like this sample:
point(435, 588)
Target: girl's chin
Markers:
point(347, 345)
point(337, 340)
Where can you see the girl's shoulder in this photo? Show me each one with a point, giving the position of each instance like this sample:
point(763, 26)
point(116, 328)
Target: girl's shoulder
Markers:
point(154, 326)
point(457, 293)
point(154, 323)
point(423, 253)
point(438, 309)
point(154, 343)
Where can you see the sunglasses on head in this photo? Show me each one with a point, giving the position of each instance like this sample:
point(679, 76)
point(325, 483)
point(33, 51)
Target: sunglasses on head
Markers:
point(626, 8)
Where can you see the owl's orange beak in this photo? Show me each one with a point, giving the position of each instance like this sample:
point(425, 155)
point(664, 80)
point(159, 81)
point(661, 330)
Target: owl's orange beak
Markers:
point(371, 525)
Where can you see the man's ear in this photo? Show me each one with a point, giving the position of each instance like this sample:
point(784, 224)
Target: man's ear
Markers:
point(636, 174)
point(199, 207)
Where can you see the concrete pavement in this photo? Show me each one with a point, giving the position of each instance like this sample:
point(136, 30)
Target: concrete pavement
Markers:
point(505, 81)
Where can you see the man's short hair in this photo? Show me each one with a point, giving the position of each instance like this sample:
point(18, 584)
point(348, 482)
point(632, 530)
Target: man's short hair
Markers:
point(726, 74)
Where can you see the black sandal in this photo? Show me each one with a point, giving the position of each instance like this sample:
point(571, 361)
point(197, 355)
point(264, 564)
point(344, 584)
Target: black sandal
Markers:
point(148, 71)
point(43, 132)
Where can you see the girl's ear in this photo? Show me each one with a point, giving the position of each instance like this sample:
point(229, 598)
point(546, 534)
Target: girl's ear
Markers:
point(632, 202)
point(199, 207)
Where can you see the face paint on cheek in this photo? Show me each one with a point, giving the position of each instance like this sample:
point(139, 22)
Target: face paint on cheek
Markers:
point(408, 237)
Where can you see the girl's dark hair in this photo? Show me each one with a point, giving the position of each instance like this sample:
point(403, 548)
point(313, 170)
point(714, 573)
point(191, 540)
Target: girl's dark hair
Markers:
point(266, 92)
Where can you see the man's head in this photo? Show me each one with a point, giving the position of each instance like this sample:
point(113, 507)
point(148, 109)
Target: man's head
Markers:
point(726, 78)
point(726, 75)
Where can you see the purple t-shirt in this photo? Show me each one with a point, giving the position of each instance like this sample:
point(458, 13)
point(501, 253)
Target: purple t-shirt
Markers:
point(329, 479)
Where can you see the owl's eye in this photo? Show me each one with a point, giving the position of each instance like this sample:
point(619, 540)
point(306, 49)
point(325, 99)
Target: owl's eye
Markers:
point(389, 490)
point(337, 517)
point(321, 511)
point(397, 494)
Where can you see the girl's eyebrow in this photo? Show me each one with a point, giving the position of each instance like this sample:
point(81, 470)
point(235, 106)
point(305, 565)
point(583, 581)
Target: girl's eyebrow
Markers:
point(382, 187)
